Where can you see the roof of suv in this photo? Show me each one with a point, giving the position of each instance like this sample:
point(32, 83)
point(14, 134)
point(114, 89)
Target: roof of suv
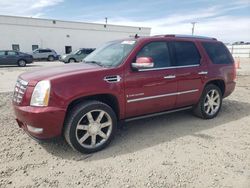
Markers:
point(175, 36)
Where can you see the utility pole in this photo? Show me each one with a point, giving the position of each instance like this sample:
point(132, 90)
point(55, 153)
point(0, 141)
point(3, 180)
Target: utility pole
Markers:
point(193, 23)
point(106, 20)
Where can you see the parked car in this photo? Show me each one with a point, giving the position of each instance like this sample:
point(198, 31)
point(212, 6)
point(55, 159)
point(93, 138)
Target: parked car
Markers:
point(76, 56)
point(124, 80)
point(10, 57)
point(47, 54)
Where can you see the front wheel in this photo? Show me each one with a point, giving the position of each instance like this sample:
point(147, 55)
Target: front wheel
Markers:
point(90, 126)
point(210, 102)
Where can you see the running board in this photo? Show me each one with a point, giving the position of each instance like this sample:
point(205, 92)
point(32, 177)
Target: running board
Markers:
point(157, 114)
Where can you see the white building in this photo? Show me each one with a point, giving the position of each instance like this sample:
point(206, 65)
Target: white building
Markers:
point(27, 34)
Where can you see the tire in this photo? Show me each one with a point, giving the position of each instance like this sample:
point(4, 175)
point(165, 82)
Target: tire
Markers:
point(71, 60)
point(87, 137)
point(21, 63)
point(209, 108)
point(51, 58)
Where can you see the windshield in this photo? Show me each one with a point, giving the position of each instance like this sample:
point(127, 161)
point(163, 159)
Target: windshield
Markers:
point(111, 54)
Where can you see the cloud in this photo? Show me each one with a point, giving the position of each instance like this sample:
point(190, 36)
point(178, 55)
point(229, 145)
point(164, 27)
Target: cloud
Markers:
point(32, 8)
point(212, 21)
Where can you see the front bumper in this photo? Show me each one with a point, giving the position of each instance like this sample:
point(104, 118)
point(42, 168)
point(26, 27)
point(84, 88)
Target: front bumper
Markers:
point(40, 122)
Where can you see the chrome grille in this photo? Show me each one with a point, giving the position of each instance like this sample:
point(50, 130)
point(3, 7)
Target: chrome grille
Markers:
point(19, 91)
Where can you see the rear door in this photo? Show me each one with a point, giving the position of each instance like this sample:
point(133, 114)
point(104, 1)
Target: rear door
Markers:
point(12, 57)
point(191, 71)
point(151, 90)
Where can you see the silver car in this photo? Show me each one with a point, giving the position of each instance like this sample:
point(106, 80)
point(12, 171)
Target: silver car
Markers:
point(47, 53)
point(76, 56)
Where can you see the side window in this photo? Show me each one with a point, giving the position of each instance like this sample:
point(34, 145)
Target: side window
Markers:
point(186, 53)
point(89, 51)
point(2, 53)
point(11, 53)
point(217, 52)
point(158, 51)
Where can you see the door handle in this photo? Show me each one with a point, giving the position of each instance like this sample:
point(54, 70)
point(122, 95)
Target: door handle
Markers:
point(170, 77)
point(203, 73)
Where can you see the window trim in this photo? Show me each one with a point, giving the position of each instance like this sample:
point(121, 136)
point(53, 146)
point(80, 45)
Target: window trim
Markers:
point(166, 68)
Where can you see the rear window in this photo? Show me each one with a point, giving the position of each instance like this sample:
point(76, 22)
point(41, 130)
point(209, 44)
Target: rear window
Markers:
point(217, 52)
point(186, 53)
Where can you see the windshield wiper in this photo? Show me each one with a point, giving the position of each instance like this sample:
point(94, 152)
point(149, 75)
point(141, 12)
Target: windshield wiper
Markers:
point(94, 62)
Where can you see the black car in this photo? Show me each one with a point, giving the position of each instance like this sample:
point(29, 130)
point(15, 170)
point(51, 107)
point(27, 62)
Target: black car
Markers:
point(10, 57)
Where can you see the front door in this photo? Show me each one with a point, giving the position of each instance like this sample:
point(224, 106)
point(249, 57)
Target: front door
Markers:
point(151, 90)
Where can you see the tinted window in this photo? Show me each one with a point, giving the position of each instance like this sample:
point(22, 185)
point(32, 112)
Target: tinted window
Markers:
point(186, 53)
point(88, 51)
point(2, 53)
point(11, 53)
point(217, 52)
point(44, 51)
point(158, 51)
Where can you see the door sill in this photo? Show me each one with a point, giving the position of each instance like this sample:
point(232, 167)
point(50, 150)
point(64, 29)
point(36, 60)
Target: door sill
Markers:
point(157, 114)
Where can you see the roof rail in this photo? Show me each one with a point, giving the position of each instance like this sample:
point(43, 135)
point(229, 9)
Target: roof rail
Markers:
point(186, 36)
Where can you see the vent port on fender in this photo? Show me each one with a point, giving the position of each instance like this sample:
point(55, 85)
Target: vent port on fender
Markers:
point(112, 79)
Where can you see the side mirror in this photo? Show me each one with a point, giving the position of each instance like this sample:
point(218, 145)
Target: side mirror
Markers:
point(143, 63)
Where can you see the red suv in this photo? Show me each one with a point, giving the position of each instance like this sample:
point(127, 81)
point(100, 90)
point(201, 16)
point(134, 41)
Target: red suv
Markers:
point(124, 80)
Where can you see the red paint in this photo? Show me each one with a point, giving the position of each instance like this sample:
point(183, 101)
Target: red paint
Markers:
point(75, 81)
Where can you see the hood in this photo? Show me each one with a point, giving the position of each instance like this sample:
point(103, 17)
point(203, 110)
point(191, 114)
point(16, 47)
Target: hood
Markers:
point(59, 71)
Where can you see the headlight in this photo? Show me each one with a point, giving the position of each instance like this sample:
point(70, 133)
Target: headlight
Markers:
point(40, 95)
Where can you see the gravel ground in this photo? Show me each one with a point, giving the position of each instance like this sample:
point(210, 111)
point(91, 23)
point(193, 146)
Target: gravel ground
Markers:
point(175, 150)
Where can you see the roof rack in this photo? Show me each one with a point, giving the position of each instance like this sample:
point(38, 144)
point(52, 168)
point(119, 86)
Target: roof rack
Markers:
point(186, 36)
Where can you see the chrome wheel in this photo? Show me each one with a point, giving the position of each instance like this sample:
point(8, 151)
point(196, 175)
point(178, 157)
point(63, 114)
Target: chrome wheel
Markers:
point(212, 102)
point(94, 129)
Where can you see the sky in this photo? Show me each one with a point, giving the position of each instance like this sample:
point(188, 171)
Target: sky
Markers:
point(227, 20)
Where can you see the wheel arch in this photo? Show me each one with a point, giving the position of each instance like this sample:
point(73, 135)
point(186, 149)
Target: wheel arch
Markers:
point(106, 98)
point(219, 83)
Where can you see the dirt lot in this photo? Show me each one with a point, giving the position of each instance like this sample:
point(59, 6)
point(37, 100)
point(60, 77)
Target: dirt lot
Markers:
point(176, 150)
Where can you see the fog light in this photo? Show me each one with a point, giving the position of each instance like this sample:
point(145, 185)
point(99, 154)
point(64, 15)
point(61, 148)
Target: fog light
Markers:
point(34, 129)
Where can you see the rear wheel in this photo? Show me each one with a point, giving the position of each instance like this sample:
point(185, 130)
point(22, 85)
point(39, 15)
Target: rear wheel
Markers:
point(210, 102)
point(90, 126)
point(51, 58)
point(71, 60)
point(21, 63)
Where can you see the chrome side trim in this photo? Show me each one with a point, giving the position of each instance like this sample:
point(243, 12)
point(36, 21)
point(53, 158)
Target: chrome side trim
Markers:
point(165, 68)
point(157, 114)
point(203, 72)
point(159, 96)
